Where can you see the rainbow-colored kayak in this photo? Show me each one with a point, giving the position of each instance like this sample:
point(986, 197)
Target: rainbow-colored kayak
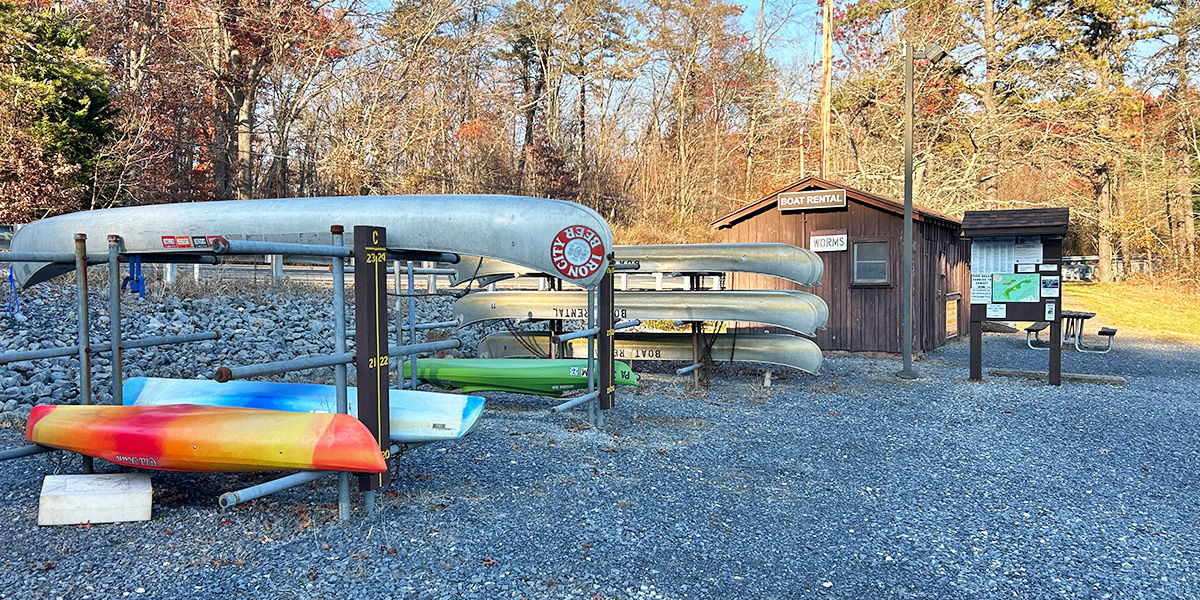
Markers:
point(186, 437)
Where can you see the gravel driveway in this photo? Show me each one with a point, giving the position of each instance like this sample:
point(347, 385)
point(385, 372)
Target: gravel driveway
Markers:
point(848, 485)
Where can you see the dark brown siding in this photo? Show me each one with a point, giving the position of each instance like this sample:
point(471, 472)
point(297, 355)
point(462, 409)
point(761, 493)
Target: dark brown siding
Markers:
point(867, 318)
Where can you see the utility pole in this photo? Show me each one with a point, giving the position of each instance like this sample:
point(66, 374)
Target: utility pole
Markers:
point(826, 83)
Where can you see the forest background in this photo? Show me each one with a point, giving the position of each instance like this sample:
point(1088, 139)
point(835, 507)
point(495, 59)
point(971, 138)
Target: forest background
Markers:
point(660, 114)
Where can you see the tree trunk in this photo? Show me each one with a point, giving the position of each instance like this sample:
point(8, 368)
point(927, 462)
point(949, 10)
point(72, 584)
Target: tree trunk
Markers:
point(1102, 184)
point(1179, 214)
point(988, 99)
point(246, 101)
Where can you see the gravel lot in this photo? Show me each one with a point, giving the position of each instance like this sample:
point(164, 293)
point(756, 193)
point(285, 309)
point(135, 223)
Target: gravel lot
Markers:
point(848, 485)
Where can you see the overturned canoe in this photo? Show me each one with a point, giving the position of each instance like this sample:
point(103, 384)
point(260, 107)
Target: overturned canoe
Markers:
point(416, 416)
point(518, 375)
point(798, 311)
point(777, 349)
point(186, 437)
point(548, 236)
point(793, 263)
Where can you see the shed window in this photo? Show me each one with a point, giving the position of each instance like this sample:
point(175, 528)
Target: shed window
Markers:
point(870, 262)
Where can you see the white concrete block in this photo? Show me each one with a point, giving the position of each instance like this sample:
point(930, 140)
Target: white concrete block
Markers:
point(109, 498)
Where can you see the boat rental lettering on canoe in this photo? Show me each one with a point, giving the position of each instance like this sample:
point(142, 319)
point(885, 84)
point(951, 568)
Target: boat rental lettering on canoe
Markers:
point(187, 437)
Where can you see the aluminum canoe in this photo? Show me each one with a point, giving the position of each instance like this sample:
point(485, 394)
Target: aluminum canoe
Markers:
point(187, 437)
point(416, 416)
point(800, 265)
point(777, 349)
point(514, 229)
point(798, 311)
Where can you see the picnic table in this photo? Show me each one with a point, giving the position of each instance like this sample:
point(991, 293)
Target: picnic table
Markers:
point(1073, 322)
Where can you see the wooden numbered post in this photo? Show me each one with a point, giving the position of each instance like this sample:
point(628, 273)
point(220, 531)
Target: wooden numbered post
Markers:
point(371, 341)
point(604, 348)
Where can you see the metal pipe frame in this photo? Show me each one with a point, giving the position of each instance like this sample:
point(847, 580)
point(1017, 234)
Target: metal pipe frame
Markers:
point(593, 409)
point(114, 315)
point(399, 307)
point(23, 451)
point(688, 369)
point(564, 337)
point(81, 344)
point(46, 257)
point(906, 286)
point(254, 492)
point(98, 348)
point(224, 374)
point(412, 325)
point(224, 246)
point(424, 347)
point(411, 255)
point(574, 402)
point(338, 267)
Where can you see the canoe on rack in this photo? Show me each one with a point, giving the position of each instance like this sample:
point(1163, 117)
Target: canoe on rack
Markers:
point(515, 229)
point(777, 349)
point(542, 377)
point(186, 437)
point(416, 416)
point(798, 311)
point(793, 263)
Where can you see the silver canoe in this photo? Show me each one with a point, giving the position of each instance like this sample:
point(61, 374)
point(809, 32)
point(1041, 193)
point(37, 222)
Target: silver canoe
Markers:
point(793, 263)
point(777, 349)
point(514, 229)
point(798, 311)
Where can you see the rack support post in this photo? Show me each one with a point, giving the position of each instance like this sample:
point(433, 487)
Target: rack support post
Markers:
point(85, 361)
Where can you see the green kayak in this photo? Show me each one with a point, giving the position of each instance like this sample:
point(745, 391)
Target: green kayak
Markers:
point(544, 377)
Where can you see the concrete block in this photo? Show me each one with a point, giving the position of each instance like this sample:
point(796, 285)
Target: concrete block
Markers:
point(109, 498)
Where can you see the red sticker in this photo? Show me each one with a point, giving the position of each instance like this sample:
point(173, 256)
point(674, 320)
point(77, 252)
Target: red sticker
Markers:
point(168, 241)
point(577, 252)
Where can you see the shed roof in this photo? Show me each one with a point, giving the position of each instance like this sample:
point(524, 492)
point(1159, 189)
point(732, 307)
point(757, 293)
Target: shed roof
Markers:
point(816, 183)
point(1025, 221)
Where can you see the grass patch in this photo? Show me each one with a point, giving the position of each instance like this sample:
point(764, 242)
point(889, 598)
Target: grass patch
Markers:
point(1161, 310)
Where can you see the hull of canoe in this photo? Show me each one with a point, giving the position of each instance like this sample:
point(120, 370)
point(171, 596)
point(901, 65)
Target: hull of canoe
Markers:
point(798, 311)
point(514, 229)
point(186, 437)
point(521, 376)
point(800, 265)
point(776, 349)
point(416, 416)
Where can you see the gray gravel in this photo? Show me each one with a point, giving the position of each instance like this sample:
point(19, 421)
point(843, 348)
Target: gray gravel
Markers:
point(848, 485)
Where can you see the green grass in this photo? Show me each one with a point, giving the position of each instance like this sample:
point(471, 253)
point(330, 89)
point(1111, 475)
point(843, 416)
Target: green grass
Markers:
point(1140, 308)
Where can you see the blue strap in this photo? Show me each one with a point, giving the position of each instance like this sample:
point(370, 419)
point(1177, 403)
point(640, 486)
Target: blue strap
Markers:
point(14, 301)
point(136, 281)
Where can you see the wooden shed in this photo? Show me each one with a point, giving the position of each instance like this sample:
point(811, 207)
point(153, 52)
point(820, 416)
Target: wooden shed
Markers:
point(858, 235)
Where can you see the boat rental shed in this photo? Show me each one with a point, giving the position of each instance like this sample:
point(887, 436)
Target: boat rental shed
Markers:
point(858, 235)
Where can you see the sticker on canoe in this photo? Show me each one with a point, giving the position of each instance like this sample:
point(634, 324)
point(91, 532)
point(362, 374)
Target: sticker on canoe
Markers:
point(577, 252)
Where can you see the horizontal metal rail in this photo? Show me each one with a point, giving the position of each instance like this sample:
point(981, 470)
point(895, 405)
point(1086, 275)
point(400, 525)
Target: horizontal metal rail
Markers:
point(433, 271)
point(47, 257)
point(104, 347)
point(224, 246)
point(687, 369)
point(315, 361)
point(177, 259)
point(23, 451)
point(409, 349)
point(418, 327)
point(593, 331)
point(573, 402)
point(425, 255)
point(254, 492)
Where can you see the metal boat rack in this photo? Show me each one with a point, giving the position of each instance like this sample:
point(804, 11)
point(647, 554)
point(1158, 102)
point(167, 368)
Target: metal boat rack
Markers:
point(338, 359)
point(84, 347)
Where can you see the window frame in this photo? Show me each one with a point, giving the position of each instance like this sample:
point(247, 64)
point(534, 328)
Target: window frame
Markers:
point(887, 264)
